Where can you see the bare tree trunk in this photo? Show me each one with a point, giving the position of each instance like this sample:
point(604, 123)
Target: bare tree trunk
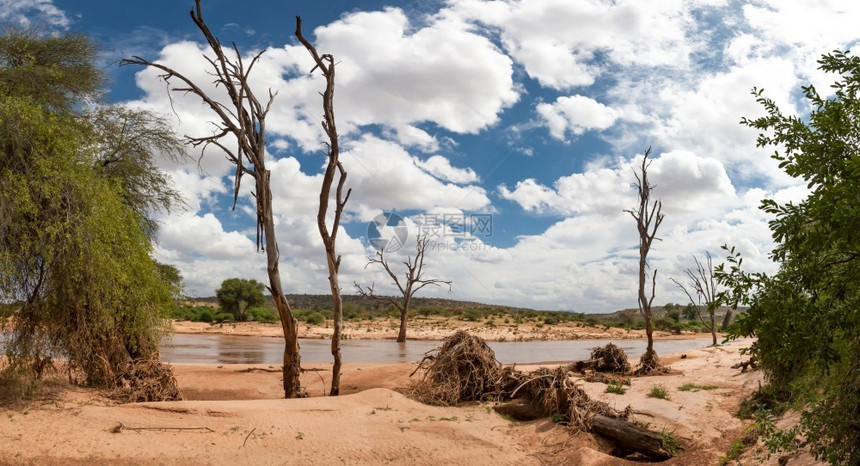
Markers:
point(401, 337)
point(245, 119)
point(644, 305)
point(726, 320)
point(648, 219)
point(292, 356)
point(326, 65)
point(713, 328)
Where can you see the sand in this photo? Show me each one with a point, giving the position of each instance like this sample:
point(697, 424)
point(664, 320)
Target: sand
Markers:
point(233, 416)
point(434, 328)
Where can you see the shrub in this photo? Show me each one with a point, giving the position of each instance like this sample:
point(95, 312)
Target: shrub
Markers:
point(659, 391)
point(263, 315)
point(315, 318)
point(203, 315)
point(616, 387)
point(222, 317)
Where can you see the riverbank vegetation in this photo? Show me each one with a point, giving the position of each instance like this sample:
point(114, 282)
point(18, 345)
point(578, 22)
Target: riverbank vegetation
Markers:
point(316, 310)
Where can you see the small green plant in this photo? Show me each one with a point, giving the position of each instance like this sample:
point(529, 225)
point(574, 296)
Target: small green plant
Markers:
point(616, 387)
point(659, 391)
point(558, 417)
point(774, 439)
point(691, 387)
point(735, 451)
point(669, 442)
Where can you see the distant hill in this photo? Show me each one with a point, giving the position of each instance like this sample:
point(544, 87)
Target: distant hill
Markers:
point(316, 302)
point(323, 301)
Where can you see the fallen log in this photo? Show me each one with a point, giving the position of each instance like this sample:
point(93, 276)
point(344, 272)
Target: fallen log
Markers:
point(520, 409)
point(751, 364)
point(630, 437)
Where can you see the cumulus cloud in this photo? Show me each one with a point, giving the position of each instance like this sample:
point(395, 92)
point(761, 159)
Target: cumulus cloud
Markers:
point(575, 114)
point(26, 12)
point(558, 41)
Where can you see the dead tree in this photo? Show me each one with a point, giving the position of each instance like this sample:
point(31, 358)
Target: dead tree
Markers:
point(413, 280)
point(243, 118)
point(648, 217)
point(702, 282)
point(325, 63)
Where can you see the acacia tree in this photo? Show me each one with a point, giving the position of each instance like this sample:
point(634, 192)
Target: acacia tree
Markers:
point(325, 63)
point(648, 217)
point(237, 295)
point(704, 285)
point(242, 121)
point(75, 250)
point(413, 281)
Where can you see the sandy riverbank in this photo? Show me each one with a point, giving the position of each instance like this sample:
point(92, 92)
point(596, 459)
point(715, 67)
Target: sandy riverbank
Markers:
point(433, 328)
point(232, 416)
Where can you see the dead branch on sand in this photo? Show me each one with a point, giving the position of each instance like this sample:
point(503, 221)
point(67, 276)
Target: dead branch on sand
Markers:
point(121, 427)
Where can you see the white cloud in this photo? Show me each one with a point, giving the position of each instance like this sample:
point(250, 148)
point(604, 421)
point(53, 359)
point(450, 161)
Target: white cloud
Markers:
point(558, 41)
point(26, 12)
point(576, 114)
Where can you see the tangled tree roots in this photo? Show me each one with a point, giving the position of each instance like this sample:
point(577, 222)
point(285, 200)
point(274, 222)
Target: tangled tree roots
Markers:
point(649, 364)
point(464, 368)
point(553, 393)
point(609, 359)
point(146, 380)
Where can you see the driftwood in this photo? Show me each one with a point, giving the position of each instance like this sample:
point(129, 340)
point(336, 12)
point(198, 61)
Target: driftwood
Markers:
point(630, 437)
point(465, 369)
point(751, 364)
point(520, 409)
point(608, 359)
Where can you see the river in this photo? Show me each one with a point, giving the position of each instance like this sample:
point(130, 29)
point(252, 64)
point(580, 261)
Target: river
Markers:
point(228, 349)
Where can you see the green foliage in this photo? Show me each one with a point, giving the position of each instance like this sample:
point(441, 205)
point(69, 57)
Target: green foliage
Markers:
point(74, 255)
point(204, 315)
point(670, 443)
point(315, 318)
point(264, 315)
point(222, 317)
point(691, 387)
point(690, 312)
point(805, 318)
point(616, 387)
point(674, 314)
point(737, 449)
point(56, 71)
point(667, 324)
point(471, 315)
point(658, 391)
point(237, 295)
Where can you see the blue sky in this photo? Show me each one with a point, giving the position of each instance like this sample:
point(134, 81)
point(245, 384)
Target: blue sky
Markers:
point(529, 112)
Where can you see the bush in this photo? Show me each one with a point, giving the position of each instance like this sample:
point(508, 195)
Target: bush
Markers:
point(263, 315)
point(659, 391)
point(203, 315)
point(314, 318)
point(222, 317)
point(471, 315)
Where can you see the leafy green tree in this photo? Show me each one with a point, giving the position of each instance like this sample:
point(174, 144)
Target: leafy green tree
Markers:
point(75, 258)
point(56, 70)
point(237, 295)
point(805, 318)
